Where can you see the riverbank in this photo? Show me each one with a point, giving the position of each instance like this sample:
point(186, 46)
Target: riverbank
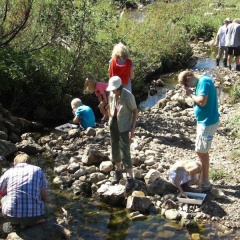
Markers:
point(164, 134)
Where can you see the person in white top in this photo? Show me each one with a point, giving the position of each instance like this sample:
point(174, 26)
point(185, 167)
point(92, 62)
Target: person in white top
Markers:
point(220, 42)
point(183, 174)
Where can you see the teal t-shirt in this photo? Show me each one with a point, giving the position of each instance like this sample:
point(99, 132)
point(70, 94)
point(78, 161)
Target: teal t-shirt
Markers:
point(208, 114)
point(86, 116)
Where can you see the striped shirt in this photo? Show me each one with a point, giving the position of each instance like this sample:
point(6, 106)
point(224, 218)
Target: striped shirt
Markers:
point(23, 183)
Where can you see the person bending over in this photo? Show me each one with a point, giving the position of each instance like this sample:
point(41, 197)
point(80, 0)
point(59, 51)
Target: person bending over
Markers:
point(83, 115)
point(26, 195)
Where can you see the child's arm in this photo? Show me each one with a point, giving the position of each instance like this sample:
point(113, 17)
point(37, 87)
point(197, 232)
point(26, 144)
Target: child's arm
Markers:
point(76, 118)
point(177, 181)
point(195, 180)
point(105, 98)
point(99, 97)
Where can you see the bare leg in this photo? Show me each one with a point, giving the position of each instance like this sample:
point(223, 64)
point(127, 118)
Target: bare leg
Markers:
point(118, 165)
point(129, 171)
point(204, 159)
point(101, 107)
point(237, 59)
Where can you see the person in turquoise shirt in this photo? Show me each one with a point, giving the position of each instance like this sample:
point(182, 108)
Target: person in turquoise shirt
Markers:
point(83, 114)
point(207, 116)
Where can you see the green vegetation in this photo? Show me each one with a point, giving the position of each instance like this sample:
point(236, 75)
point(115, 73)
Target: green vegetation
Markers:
point(217, 174)
point(235, 156)
point(234, 124)
point(235, 92)
point(47, 47)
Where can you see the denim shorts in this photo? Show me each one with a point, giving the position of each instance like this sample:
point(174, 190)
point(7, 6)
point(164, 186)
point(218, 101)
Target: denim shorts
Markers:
point(204, 137)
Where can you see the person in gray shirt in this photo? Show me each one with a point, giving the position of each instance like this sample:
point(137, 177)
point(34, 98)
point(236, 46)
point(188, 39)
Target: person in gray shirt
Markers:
point(233, 42)
point(122, 121)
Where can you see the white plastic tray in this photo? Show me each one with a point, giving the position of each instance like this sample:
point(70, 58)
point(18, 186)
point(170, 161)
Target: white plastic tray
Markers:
point(66, 127)
point(193, 198)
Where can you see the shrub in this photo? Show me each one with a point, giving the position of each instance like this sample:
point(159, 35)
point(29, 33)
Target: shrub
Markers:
point(235, 92)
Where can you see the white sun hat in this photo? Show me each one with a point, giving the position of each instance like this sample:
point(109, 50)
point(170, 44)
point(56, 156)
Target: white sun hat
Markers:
point(114, 83)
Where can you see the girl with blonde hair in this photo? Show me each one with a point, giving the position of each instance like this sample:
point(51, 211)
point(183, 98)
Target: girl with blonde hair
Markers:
point(99, 88)
point(185, 173)
point(120, 65)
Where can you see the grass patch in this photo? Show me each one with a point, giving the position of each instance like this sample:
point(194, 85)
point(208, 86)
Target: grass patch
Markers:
point(235, 156)
point(218, 174)
point(235, 92)
point(235, 124)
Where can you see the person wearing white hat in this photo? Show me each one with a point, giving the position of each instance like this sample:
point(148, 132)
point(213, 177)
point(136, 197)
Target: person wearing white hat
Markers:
point(122, 121)
point(220, 41)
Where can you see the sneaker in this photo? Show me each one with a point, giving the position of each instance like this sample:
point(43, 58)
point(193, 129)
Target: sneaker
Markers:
point(117, 177)
point(206, 187)
point(130, 184)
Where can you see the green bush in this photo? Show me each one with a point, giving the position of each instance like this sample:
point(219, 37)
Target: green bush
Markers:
point(47, 62)
point(235, 92)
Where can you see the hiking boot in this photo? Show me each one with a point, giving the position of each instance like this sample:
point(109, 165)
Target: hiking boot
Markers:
point(117, 177)
point(130, 184)
point(217, 62)
point(238, 67)
point(225, 62)
point(230, 67)
point(206, 187)
point(9, 227)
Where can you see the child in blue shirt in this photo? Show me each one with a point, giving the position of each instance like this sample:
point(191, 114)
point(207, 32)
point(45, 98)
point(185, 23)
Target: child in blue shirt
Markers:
point(83, 115)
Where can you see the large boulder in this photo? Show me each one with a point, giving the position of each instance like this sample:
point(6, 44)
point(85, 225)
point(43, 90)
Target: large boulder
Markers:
point(140, 204)
point(7, 148)
point(112, 195)
point(92, 156)
point(44, 231)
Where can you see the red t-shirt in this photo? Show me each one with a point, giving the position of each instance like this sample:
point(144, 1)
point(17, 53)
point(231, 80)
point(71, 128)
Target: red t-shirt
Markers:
point(121, 70)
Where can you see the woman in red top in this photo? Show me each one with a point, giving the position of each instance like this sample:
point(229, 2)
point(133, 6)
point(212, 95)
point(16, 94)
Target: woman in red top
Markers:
point(120, 65)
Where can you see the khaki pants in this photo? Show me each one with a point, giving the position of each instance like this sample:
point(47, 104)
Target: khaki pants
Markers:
point(120, 145)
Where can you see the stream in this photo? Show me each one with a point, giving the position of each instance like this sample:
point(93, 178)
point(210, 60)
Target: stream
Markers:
point(90, 218)
point(170, 80)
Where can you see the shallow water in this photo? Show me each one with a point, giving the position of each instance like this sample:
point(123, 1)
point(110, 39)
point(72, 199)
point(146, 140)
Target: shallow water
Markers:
point(170, 82)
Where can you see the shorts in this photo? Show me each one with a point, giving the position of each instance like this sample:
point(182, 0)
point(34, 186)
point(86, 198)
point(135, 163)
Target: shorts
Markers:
point(235, 50)
point(204, 137)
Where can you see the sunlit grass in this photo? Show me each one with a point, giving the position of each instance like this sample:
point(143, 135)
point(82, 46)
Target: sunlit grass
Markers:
point(217, 174)
point(235, 156)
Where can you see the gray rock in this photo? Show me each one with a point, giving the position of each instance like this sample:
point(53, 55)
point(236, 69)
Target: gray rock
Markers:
point(157, 187)
point(30, 147)
point(3, 135)
point(172, 214)
point(112, 195)
point(138, 203)
point(7, 148)
point(44, 231)
point(92, 156)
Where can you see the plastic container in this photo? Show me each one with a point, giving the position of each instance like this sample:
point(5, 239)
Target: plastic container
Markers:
point(66, 127)
point(193, 198)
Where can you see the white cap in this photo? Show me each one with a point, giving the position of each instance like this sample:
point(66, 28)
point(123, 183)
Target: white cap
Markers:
point(114, 83)
point(228, 19)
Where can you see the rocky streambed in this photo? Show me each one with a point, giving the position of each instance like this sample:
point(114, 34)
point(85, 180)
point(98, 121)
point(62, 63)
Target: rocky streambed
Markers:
point(164, 134)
